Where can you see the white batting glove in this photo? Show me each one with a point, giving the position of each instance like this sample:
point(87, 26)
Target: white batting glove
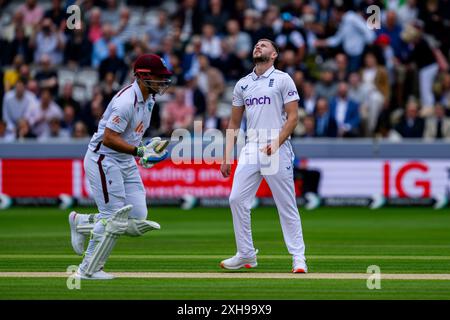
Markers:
point(153, 152)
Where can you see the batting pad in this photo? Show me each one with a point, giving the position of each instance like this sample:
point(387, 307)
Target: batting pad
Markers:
point(115, 227)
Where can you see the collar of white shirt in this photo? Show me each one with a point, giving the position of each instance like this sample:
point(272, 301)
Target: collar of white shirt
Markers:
point(138, 92)
point(264, 75)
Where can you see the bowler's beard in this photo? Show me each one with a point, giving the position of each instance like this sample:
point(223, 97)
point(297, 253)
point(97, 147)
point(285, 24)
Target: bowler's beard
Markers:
point(261, 59)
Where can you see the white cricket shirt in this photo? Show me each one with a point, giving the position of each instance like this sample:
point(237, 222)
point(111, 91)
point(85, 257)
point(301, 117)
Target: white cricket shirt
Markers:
point(128, 114)
point(264, 98)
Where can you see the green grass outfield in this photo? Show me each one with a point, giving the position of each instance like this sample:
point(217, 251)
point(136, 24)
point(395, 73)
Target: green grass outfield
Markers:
point(339, 241)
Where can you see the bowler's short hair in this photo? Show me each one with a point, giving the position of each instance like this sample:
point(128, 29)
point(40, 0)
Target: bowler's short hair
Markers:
point(274, 45)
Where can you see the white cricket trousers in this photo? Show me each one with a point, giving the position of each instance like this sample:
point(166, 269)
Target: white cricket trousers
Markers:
point(115, 184)
point(247, 178)
point(426, 81)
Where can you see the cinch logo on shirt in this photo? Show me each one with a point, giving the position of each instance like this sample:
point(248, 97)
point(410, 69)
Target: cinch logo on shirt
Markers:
point(257, 101)
point(291, 93)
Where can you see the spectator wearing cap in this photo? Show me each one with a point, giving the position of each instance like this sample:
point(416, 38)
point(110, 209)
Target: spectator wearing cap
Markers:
point(345, 112)
point(352, 33)
point(393, 30)
point(290, 38)
point(383, 45)
point(294, 7)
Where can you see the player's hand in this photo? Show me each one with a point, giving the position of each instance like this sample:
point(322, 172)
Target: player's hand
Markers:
point(225, 168)
point(153, 152)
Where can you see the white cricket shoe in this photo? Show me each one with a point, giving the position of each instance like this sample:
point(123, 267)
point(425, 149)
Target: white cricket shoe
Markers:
point(77, 239)
point(98, 275)
point(299, 266)
point(237, 262)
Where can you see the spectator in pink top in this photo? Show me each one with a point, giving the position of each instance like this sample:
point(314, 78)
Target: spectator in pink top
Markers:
point(177, 114)
point(95, 26)
point(32, 12)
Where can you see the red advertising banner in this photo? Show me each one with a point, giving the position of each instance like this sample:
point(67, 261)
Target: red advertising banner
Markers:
point(51, 178)
point(366, 178)
point(36, 178)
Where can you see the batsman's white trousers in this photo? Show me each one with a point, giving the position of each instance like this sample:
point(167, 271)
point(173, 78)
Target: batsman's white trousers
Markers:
point(247, 178)
point(115, 184)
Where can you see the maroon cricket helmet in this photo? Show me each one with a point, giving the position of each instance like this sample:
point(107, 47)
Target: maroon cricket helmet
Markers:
point(147, 65)
point(151, 63)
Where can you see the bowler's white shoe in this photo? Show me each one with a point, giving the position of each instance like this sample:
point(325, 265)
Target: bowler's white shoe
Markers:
point(76, 238)
point(99, 275)
point(299, 266)
point(237, 262)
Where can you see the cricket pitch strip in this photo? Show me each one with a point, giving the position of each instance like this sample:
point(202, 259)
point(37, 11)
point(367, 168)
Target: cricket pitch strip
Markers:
point(237, 275)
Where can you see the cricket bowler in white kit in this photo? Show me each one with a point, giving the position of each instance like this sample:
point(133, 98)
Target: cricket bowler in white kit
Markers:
point(270, 100)
point(112, 171)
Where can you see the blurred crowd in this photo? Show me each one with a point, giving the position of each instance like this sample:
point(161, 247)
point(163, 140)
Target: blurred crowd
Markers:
point(389, 78)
